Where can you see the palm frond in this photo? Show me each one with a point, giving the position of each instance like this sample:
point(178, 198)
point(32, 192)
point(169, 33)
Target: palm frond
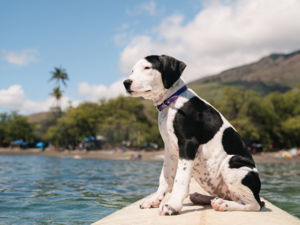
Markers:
point(60, 75)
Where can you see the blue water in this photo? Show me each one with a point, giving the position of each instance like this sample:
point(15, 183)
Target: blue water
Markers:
point(43, 190)
point(281, 186)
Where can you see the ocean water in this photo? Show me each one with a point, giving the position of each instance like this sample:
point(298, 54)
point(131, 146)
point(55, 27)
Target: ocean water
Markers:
point(44, 190)
point(281, 186)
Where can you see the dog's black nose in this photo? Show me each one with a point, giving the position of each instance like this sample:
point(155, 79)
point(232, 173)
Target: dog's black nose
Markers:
point(127, 84)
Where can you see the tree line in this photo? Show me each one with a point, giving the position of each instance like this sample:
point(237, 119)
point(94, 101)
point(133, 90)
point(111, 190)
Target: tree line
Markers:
point(15, 127)
point(119, 119)
point(272, 119)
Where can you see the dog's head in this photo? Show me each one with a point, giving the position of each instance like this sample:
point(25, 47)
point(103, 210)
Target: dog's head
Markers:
point(152, 76)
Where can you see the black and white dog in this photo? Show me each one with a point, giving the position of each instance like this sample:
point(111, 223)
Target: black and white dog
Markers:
point(198, 140)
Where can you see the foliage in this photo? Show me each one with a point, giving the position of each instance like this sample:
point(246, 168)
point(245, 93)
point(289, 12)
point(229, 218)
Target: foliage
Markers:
point(234, 101)
point(123, 118)
point(59, 74)
point(15, 127)
point(274, 119)
point(51, 120)
point(57, 94)
point(3, 120)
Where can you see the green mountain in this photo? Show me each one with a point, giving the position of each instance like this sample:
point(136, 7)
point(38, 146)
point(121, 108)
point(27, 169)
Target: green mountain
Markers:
point(276, 72)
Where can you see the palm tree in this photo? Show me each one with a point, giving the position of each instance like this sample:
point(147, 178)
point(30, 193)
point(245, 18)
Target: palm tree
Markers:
point(60, 75)
point(57, 93)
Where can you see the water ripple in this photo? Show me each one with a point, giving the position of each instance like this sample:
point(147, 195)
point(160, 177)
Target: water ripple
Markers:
point(280, 185)
point(42, 190)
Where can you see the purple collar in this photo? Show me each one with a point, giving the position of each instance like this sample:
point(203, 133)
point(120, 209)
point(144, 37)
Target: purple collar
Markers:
point(173, 98)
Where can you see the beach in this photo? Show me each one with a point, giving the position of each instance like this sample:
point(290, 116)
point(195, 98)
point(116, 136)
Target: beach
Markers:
point(84, 154)
point(127, 155)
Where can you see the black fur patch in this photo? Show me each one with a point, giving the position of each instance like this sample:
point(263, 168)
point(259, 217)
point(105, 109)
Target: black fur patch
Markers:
point(195, 123)
point(169, 67)
point(171, 70)
point(174, 211)
point(252, 181)
point(234, 145)
point(239, 161)
point(154, 59)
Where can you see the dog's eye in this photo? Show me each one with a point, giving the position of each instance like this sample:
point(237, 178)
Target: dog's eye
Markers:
point(147, 68)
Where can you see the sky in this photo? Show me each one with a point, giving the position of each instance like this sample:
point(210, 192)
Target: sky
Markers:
point(98, 42)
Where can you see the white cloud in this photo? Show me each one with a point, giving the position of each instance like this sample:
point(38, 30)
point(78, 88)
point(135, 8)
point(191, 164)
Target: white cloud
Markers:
point(221, 36)
point(97, 92)
point(148, 7)
point(22, 58)
point(14, 98)
point(30, 106)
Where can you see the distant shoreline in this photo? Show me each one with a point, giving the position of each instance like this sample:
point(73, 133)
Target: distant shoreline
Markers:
point(77, 154)
point(109, 155)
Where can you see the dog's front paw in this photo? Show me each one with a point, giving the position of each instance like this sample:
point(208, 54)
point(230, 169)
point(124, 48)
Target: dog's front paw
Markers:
point(169, 209)
point(148, 203)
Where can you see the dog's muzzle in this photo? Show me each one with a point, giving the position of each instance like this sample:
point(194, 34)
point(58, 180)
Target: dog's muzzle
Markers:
point(127, 83)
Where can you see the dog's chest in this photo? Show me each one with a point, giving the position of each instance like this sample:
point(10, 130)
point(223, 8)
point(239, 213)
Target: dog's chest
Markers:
point(166, 128)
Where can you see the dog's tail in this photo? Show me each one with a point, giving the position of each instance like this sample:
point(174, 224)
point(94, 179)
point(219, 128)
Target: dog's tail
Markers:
point(262, 204)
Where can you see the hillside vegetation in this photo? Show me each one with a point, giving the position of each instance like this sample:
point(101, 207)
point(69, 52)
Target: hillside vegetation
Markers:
point(261, 100)
point(273, 120)
point(277, 72)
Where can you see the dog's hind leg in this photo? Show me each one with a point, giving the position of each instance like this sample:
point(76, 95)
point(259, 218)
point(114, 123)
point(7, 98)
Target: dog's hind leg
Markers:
point(245, 189)
point(246, 203)
point(200, 199)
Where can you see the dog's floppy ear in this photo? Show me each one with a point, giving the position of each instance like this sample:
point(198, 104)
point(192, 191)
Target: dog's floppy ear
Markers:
point(171, 70)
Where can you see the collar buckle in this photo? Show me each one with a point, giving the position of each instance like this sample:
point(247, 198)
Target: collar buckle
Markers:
point(161, 107)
